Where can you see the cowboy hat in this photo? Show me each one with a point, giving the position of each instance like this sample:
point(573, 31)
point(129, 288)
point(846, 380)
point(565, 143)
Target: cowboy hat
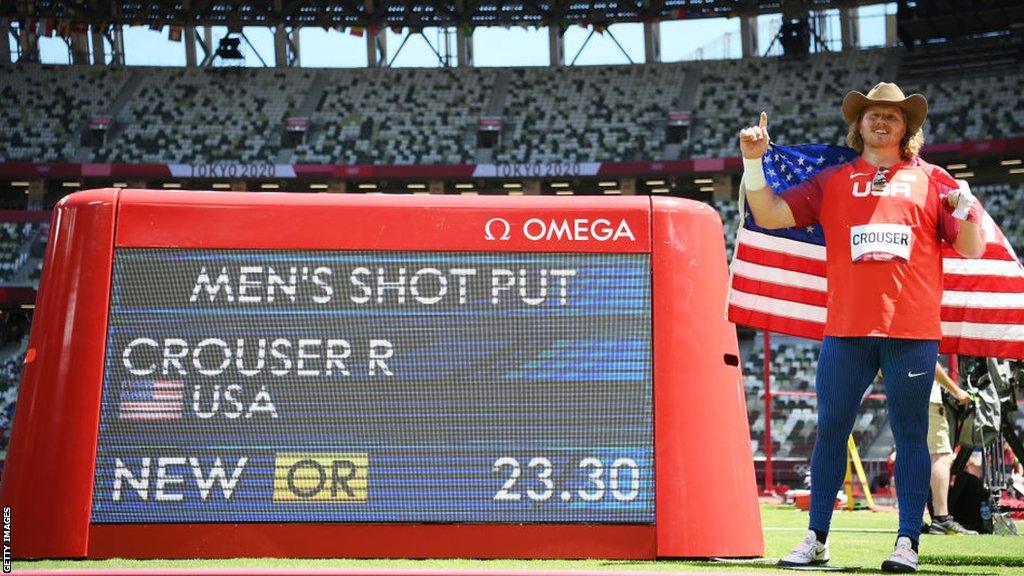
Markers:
point(915, 106)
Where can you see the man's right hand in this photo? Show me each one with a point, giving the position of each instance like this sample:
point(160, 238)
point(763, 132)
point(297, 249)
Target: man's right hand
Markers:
point(754, 140)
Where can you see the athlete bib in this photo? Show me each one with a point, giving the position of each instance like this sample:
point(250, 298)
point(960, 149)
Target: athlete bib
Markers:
point(880, 242)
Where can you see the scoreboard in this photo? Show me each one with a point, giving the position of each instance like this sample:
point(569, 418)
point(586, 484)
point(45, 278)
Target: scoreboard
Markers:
point(219, 374)
point(281, 386)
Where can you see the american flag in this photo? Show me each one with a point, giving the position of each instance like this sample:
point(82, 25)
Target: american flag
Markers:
point(778, 276)
point(151, 400)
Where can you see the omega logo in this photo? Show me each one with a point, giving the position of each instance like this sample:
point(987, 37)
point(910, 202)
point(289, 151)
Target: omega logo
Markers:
point(500, 224)
point(575, 229)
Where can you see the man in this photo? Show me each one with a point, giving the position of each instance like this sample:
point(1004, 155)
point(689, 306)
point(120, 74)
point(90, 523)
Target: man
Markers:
point(941, 450)
point(884, 216)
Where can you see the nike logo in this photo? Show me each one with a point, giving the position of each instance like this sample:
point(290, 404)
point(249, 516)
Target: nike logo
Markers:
point(912, 375)
point(859, 174)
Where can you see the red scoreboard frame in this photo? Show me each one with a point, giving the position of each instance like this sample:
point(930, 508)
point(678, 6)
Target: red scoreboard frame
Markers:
point(705, 491)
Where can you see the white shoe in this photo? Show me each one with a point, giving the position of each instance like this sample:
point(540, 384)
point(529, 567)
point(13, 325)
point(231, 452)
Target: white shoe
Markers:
point(903, 558)
point(809, 552)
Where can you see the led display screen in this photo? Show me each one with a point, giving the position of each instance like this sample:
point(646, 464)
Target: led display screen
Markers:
point(313, 386)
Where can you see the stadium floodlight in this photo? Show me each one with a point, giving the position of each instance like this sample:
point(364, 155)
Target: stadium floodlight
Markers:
point(20, 183)
point(120, 184)
point(221, 185)
point(655, 182)
point(270, 186)
point(70, 184)
point(703, 181)
point(367, 186)
point(1016, 170)
point(612, 191)
point(955, 166)
point(511, 185)
point(227, 49)
point(608, 184)
point(172, 184)
point(416, 186)
point(515, 193)
point(469, 193)
point(707, 188)
point(1010, 162)
point(318, 186)
point(559, 184)
point(564, 192)
point(963, 174)
point(659, 190)
point(463, 186)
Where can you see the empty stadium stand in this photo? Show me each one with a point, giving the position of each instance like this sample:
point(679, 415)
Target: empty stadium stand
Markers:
point(590, 113)
point(801, 97)
point(429, 116)
point(45, 108)
point(14, 326)
point(205, 115)
point(973, 108)
point(15, 250)
point(395, 116)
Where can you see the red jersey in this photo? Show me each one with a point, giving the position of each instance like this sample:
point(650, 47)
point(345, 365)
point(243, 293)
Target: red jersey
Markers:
point(883, 233)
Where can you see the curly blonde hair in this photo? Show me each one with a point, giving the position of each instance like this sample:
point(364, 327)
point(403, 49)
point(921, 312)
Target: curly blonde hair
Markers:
point(910, 145)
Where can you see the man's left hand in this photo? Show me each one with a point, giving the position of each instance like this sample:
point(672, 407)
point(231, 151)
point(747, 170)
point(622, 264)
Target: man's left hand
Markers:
point(961, 200)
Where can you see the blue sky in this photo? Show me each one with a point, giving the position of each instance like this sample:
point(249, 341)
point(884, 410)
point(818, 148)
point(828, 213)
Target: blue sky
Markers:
point(495, 46)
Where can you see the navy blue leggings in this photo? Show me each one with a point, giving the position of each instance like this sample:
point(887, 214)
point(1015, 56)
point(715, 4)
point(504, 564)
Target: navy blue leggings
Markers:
point(846, 367)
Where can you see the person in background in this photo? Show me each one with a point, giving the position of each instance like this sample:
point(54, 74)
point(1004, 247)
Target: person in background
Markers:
point(941, 450)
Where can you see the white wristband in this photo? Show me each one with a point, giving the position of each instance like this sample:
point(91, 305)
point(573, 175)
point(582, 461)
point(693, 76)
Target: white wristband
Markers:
point(753, 174)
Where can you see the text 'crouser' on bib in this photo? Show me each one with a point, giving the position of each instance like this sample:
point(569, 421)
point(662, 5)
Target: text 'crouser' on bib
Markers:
point(880, 242)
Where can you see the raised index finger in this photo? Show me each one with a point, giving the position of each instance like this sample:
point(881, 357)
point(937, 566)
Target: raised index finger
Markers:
point(763, 123)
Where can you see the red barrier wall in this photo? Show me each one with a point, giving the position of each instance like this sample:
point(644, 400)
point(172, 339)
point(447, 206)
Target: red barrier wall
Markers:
point(705, 495)
point(701, 430)
point(54, 435)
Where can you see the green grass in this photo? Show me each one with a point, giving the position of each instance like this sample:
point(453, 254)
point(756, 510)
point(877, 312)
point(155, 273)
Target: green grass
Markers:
point(862, 540)
point(859, 542)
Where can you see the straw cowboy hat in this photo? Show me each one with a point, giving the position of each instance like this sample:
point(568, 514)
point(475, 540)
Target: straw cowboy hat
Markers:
point(885, 93)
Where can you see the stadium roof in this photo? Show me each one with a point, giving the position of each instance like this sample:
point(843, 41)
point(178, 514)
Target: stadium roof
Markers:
point(385, 13)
